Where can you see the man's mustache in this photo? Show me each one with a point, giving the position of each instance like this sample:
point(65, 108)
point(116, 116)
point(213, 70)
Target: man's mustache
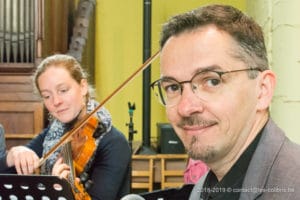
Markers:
point(195, 120)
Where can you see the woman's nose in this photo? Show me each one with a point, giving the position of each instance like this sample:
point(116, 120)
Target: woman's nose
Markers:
point(56, 100)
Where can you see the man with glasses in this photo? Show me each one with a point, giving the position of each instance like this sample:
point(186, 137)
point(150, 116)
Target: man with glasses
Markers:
point(217, 87)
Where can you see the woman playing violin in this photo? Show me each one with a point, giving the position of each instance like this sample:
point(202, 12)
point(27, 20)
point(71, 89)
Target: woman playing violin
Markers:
point(63, 86)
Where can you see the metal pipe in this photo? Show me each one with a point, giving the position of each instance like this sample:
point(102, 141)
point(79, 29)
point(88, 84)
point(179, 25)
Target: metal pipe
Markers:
point(2, 29)
point(146, 145)
point(8, 29)
point(32, 28)
point(22, 30)
point(15, 30)
point(27, 30)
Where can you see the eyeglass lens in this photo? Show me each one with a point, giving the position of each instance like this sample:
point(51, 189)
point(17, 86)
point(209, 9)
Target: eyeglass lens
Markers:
point(206, 85)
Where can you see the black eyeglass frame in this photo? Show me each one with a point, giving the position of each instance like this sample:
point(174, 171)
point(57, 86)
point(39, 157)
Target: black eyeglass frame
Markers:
point(220, 73)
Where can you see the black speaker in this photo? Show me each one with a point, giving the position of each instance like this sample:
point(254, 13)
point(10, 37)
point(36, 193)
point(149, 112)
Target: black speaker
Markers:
point(168, 141)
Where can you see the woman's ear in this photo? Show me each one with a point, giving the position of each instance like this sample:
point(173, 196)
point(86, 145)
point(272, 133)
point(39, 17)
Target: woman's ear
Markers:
point(266, 87)
point(84, 87)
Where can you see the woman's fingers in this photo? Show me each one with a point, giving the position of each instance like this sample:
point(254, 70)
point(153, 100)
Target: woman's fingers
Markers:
point(24, 159)
point(61, 169)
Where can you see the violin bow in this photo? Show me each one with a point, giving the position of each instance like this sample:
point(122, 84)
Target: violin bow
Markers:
point(82, 122)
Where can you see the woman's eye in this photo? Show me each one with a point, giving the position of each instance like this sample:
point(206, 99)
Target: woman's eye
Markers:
point(45, 97)
point(62, 91)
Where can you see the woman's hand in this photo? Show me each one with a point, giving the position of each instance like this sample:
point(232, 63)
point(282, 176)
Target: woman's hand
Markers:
point(24, 159)
point(61, 169)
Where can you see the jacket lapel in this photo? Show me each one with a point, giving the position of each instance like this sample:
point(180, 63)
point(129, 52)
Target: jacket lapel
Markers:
point(262, 161)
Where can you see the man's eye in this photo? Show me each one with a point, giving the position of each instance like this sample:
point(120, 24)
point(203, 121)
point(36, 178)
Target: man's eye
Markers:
point(213, 82)
point(172, 88)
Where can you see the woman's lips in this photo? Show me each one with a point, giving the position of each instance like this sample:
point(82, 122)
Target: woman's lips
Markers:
point(61, 111)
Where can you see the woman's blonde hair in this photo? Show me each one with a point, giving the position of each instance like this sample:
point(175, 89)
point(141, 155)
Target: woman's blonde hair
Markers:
point(66, 61)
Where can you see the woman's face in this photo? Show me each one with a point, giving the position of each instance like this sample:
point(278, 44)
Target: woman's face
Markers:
point(62, 95)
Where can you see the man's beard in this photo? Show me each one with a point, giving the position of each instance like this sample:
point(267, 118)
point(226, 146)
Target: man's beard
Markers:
point(199, 152)
point(195, 149)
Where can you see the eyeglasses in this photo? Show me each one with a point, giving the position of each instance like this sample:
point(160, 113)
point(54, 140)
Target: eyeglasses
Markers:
point(207, 85)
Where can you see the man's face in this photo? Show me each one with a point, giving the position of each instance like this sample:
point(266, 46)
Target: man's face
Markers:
point(219, 125)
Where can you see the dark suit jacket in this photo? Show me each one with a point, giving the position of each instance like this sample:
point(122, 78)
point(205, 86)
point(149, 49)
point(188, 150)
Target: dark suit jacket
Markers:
point(274, 171)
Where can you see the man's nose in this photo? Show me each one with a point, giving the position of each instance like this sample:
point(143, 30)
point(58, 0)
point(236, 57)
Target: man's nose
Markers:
point(189, 102)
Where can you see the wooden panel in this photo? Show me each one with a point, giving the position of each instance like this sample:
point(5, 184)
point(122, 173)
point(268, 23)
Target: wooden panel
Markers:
point(21, 111)
point(17, 88)
point(21, 119)
point(58, 23)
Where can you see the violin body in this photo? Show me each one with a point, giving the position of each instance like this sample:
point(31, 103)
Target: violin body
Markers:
point(84, 145)
point(77, 153)
point(78, 189)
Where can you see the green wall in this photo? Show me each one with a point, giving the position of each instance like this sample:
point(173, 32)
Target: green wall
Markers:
point(119, 51)
point(280, 20)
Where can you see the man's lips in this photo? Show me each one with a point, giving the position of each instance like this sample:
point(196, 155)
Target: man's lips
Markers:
point(197, 129)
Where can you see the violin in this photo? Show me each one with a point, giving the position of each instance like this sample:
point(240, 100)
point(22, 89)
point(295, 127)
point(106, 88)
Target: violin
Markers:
point(78, 144)
point(77, 188)
point(84, 143)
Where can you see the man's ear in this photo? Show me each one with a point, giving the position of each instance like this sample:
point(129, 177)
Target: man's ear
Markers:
point(266, 87)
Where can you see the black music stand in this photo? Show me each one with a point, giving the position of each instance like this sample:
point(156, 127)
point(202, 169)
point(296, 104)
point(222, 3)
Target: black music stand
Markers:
point(34, 187)
point(169, 194)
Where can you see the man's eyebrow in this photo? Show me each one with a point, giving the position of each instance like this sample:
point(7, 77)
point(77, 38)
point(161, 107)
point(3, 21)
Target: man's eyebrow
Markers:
point(208, 68)
point(198, 70)
point(167, 77)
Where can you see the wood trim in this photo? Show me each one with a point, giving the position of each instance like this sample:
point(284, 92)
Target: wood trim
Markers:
point(17, 67)
point(19, 136)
